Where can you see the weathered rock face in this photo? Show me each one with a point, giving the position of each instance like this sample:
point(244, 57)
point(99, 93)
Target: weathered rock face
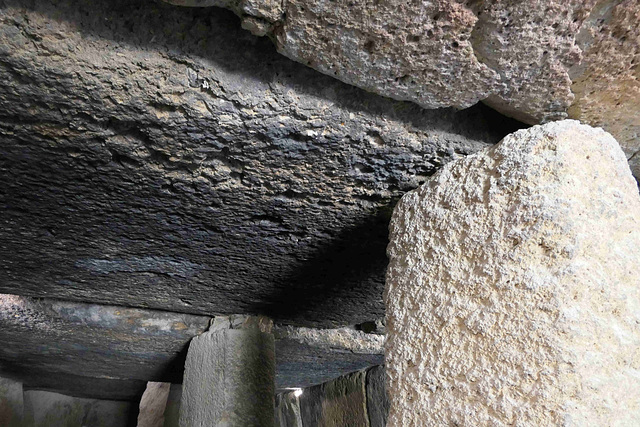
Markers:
point(161, 157)
point(537, 60)
point(45, 409)
point(513, 289)
point(153, 404)
point(110, 352)
point(229, 375)
point(11, 403)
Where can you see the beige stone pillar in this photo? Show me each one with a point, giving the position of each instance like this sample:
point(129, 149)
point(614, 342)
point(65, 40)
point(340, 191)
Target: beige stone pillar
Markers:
point(513, 289)
point(229, 377)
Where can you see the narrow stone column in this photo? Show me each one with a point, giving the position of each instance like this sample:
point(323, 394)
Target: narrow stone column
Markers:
point(229, 377)
point(513, 287)
point(153, 404)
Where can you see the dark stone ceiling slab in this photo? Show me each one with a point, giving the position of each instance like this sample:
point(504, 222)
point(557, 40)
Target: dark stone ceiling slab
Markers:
point(103, 351)
point(160, 157)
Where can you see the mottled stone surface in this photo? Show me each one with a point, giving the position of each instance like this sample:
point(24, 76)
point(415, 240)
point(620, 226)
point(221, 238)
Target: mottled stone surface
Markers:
point(162, 157)
point(153, 404)
point(46, 409)
point(288, 410)
point(110, 352)
point(11, 403)
point(513, 288)
point(229, 378)
point(340, 402)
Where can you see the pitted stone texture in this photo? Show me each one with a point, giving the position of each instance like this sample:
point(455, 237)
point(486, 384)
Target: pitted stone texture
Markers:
point(229, 379)
point(607, 82)
point(524, 58)
point(46, 409)
point(513, 287)
point(11, 403)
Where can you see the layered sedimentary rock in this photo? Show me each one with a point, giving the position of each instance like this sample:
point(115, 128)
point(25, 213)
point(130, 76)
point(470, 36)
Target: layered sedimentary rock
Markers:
point(537, 60)
point(513, 290)
point(162, 157)
point(110, 352)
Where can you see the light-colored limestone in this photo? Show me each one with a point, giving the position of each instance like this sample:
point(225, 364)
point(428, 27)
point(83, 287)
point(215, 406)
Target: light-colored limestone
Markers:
point(153, 404)
point(11, 403)
point(46, 409)
point(513, 289)
point(536, 60)
point(229, 377)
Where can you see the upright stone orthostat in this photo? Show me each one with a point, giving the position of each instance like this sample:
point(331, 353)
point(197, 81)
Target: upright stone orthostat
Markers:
point(11, 403)
point(153, 404)
point(229, 377)
point(513, 289)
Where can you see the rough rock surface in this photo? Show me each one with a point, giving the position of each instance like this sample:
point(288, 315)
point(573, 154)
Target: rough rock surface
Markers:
point(153, 404)
point(526, 59)
point(340, 402)
point(513, 289)
point(229, 377)
point(607, 82)
point(288, 410)
point(11, 403)
point(162, 157)
point(46, 409)
point(110, 352)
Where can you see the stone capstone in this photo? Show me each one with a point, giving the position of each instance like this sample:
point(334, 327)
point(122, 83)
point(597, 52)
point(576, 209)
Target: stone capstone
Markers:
point(161, 157)
point(229, 377)
point(513, 289)
point(110, 352)
point(536, 61)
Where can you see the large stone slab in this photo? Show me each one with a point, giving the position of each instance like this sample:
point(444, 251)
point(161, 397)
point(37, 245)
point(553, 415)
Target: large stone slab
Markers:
point(46, 409)
point(11, 403)
point(377, 399)
point(229, 375)
point(339, 402)
point(162, 157)
point(110, 352)
point(537, 60)
point(513, 289)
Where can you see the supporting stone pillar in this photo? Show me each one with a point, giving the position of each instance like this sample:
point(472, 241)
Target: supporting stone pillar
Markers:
point(229, 377)
point(11, 403)
point(513, 288)
point(153, 404)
